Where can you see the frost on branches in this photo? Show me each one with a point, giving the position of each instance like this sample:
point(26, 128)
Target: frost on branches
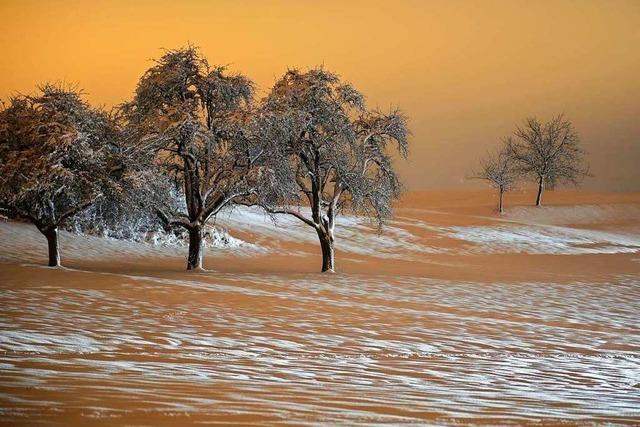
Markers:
point(57, 158)
point(329, 152)
point(499, 171)
point(193, 120)
point(548, 152)
point(192, 142)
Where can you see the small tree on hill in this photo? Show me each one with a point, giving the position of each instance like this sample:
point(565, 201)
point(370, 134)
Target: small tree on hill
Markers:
point(549, 152)
point(498, 170)
point(56, 159)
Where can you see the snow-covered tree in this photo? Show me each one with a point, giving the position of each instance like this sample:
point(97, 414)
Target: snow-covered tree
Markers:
point(122, 211)
point(329, 153)
point(548, 152)
point(193, 120)
point(56, 159)
point(499, 171)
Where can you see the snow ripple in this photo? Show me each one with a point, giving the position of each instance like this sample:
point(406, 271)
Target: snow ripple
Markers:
point(318, 349)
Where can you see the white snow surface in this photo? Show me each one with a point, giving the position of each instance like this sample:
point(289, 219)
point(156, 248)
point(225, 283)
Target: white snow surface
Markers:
point(353, 234)
point(21, 242)
point(536, 239)
point(575, 214)
point(528, 352)
point(359, 236)
point(523, 230)
point(565, 351)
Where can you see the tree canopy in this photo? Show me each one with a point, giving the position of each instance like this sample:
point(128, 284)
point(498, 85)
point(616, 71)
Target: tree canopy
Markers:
point(329, 152)
point(57, 158)
point(193, 119)
point(193, 141)
point(549, 152)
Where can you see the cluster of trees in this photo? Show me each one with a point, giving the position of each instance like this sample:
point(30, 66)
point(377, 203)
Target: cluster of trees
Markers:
point(547, 153)
point(194, 140)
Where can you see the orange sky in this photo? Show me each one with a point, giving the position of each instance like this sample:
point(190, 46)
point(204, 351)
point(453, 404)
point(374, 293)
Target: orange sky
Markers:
point(464, 71)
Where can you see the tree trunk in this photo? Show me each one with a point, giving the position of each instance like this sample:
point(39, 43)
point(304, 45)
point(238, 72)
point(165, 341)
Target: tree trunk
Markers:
point(540, 190)
point(54, 246)
point(500, 204)
point(194, 261)
point(326, 243)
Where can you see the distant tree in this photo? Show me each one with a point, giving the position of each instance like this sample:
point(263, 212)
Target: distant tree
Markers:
point(56, 159)
point(329, 153)
point(498, 170)
point(193, 120)
point(549, 152)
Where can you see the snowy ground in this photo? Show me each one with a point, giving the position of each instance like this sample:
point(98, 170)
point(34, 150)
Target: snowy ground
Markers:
point(250, 348)
point(517, 233)
point(152, 345)
point(22, 242)
point(523, 230)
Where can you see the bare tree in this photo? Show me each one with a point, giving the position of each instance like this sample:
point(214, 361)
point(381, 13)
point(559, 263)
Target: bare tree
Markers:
point(549, 152)
point(193, 119)
point(56, 159)
point(498, 170)
point(329, 153)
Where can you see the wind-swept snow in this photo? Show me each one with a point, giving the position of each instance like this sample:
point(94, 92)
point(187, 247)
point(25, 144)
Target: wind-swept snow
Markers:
point(353, 234)
point(357, 235)
point(513, 238)
point(576, 214)
point(263, 346)
point(320, 349)
point(517, 232)
point(23, 242)
point(606, 229)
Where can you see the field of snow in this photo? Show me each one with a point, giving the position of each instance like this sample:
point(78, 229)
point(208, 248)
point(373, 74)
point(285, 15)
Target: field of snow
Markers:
point(509, 236)
point(318, 350)
point(138, 341)
point(22, 242)
point(523, 230)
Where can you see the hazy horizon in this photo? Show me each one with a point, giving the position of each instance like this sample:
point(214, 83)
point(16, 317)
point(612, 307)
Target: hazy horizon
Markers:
point(464, 73)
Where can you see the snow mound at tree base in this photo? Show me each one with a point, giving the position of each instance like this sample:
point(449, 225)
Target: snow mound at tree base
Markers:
point(213, 238)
